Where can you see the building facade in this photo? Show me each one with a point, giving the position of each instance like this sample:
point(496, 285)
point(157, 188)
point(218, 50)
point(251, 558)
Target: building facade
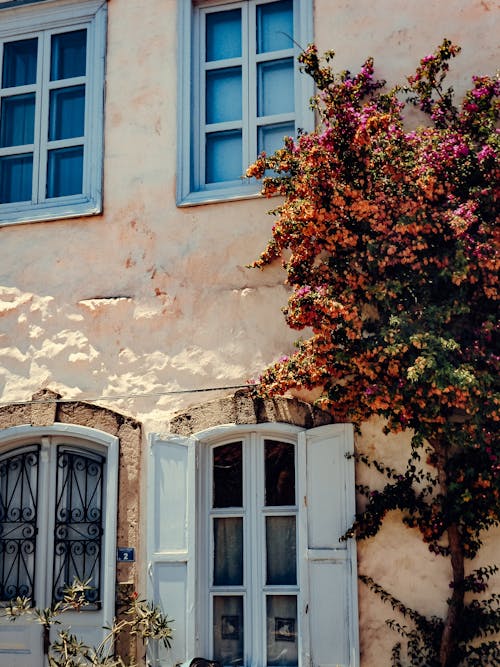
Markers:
point(130, 325)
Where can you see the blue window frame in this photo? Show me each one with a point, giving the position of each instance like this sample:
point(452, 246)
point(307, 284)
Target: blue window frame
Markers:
point(245, 91)
point(51, 111)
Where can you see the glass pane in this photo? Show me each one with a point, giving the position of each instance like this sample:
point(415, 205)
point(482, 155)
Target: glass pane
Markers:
point(224, 156)
point(17, 121)
point(18, 524)
point(16, 178)
point(281, 550)
point(275, 26)
point(228, 629)
point(65, 172)
point(228, 551)
point(223, 95)
point(67, 113)
point(228, 475)
point(68, 55)
point(282, 635)
point(275, 87)
point(223, 35)
point(280, 472)
point(78, 522)
point(19, 63)
point(270, 137)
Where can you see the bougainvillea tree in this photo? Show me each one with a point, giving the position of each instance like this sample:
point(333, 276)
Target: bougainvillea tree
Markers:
point(390, 242)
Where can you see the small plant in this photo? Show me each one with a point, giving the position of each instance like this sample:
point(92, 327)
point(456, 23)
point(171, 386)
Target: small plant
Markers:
point(139, 619)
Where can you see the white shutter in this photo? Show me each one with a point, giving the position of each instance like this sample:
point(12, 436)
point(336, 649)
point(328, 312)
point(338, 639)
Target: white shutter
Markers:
point(329, 618)
point(171, 540)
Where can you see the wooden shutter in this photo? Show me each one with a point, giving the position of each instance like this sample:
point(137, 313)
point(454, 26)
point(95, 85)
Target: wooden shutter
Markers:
point(329, 619)
point(171, 540)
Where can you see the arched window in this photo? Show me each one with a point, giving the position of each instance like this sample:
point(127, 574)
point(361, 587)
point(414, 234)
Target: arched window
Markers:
point(244, 544)
point(57, 524)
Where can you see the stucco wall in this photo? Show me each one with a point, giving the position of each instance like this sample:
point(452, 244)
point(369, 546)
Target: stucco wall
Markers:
point(147, 298)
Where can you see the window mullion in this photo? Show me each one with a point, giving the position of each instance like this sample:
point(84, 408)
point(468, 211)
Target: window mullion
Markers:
point(256, 553)
point(42, 119)
point(249, 86)
point(45, 525)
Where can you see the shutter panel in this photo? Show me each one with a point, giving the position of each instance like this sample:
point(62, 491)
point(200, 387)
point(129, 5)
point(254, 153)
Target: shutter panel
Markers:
point(171, 540)
point(328, 566)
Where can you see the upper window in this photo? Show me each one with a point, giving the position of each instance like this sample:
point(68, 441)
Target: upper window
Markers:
point(51, 96)
point(246, 91)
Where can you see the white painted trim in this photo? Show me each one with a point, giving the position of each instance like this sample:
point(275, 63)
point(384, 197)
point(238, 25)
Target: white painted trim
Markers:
point(304, 646)
point(230, 431)
point(24, 432)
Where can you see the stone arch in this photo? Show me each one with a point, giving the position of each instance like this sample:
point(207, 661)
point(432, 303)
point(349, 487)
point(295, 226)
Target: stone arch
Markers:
point(243, 407)
point(46, 409)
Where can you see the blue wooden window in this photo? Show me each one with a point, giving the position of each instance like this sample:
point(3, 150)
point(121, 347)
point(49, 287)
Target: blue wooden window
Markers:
point(244, 88)
point(51, 113)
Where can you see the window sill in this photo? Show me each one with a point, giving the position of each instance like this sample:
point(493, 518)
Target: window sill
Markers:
point(220, 195)
point(24, 215)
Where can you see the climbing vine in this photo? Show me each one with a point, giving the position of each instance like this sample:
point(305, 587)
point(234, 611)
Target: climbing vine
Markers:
point(390, 242)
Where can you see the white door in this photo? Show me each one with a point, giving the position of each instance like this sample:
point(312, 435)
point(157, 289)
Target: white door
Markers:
point(55, 527)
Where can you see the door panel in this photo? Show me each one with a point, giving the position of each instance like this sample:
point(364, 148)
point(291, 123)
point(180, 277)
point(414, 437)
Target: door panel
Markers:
point(53, 499)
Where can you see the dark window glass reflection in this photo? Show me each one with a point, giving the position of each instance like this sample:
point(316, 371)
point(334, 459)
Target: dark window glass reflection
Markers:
point(228, 476)
point(280, 473)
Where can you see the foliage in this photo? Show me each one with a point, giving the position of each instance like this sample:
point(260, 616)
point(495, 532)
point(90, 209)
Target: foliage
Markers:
point(390, 240)
point(140, 619)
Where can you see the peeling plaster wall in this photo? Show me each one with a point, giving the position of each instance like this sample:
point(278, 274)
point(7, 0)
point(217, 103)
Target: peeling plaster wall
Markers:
point(148, 298)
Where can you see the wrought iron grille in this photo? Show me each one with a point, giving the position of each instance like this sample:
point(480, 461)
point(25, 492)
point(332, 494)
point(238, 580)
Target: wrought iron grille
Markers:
point(18, 522)
point(78, 527)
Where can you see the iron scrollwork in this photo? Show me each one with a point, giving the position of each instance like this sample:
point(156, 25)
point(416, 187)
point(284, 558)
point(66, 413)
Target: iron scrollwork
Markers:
point(78, 530)
point(18, 522)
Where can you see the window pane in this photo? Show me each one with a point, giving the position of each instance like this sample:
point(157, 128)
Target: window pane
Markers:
point(270, 137)
point(228, 551)
point(281, 550)
point(223, 95)
point(17, 121)
point(65, 172)
point(16, 178)
point(67, 113)
point(68, 55)
point(223, 35)
point(228, 475)
point(275, 87)
point(282, 642)
point(19, 63)
point(275, 26)
point(228, 629)
point(224, 156)
point(280, 472)
point(18, 524)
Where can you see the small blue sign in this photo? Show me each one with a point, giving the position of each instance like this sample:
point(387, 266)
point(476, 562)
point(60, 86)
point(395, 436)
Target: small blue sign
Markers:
point(125, 554)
